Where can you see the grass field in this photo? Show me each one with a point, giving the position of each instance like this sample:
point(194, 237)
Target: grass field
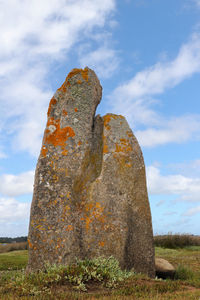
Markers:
point(14, 285)
point(15, 260)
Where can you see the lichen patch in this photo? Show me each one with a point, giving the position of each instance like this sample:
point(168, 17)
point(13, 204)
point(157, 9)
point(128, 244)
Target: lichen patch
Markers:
point(58, 136)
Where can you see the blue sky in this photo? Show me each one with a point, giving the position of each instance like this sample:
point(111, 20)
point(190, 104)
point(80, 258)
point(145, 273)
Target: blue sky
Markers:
point(146, 54)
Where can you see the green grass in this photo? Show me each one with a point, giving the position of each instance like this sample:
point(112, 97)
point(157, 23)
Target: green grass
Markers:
point(54, 284)
point(15, 260)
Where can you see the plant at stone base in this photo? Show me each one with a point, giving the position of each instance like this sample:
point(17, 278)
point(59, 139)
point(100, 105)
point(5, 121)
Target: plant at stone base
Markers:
point(99, 269)
point(102, 270)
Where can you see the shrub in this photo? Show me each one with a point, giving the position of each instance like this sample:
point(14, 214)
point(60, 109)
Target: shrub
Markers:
point(174, 241)
point(100, 269)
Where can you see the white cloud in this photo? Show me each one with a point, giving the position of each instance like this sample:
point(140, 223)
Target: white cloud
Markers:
point(34, 36)
point(186, 188)
point(187, 168)
point(164, 75)
point(134, 98)
point(193, 211)
point(177, 130)
point(48, 26)
point(15, 185)
point(13, 210)
point(197, 2)
point(104, 60)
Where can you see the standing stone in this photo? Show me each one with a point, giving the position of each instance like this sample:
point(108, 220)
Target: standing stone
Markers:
point(90, 195)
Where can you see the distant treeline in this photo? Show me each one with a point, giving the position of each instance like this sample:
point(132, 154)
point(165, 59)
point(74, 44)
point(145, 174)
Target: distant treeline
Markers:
point(8, 240)
point(174, 241)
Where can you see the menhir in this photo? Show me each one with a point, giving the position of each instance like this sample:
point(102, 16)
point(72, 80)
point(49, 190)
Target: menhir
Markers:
point(90, 197)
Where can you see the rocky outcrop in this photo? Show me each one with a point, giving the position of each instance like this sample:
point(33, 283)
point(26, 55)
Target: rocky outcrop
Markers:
point(90, 195)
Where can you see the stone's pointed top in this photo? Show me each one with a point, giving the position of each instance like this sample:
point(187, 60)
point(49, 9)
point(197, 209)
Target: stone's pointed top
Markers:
point(81, 76)
point(80, 88)
point(113, 116)
point(83, 72)
point(108, 117)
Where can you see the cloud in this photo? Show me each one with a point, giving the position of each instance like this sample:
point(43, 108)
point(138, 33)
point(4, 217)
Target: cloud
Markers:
point(191, 168)
point(161, 202)
point(13, 210)
point(15, 185)
point(136, 98)
point(164, 75)
point(48, 26)
point(104, 60)
point(177, 130)
point(2, 154)
point(197, 2)
point(34, 37)
point(170, 213)
point(186, 188)
point(193, 211)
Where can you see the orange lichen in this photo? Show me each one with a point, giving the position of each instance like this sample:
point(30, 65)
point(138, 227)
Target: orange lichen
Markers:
point(79, 143)
point(89, 206)
point(59, 136)
point(69, 228)
point(30, 244)
point(52, 102)
point(65, 112)
point(87, 222)
point(64, 152)
point(44, 151)
point(93, 211)
point(123, 141)
point(84, 74)
point(68, 195)
point(75, 71)
point(123, 162)
point(102, 244)
point(118, 148)
point(64, 86)
point(107, 118)
point(125, 146)
point(55, 178)
point(75, 109)
point(67, 207)
point(129, 133)
point(105, 146)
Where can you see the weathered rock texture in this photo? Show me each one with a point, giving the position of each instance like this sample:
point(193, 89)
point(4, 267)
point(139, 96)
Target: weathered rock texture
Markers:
point(90, 195)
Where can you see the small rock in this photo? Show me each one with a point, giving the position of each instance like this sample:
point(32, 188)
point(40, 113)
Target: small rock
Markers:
point(164, 269)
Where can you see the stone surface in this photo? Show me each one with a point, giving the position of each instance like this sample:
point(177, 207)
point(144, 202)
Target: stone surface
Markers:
point(90, 195)
point(164, 269)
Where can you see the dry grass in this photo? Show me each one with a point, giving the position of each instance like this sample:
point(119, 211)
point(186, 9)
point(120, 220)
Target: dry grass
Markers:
point(13, 247)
